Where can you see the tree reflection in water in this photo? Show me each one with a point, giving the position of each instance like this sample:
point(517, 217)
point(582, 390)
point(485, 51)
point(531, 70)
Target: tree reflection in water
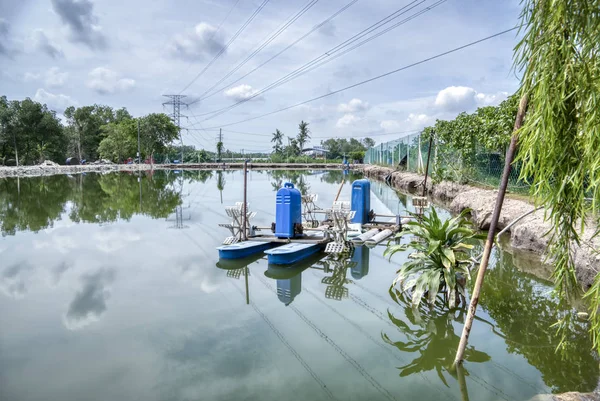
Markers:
point(33, 204)
point(432, 335)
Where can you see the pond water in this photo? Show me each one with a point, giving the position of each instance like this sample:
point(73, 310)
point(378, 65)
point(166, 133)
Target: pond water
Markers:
point(111, 289)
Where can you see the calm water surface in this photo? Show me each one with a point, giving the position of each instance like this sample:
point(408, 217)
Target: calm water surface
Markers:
point(111, 289)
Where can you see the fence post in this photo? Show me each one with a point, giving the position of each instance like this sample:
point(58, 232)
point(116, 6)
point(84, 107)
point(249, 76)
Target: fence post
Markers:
point(407, 154)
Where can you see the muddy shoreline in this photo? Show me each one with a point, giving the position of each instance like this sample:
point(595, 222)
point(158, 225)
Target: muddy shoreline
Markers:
point(529, 234)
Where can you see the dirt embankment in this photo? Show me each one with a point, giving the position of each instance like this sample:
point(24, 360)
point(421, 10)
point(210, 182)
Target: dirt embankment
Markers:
point(53, 168)
point(528, 234)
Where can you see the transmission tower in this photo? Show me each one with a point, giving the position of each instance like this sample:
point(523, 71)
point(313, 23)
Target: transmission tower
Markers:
point(176, 115)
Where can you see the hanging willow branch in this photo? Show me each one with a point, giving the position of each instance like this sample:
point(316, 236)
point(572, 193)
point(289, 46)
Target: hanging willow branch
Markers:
point(559, 144)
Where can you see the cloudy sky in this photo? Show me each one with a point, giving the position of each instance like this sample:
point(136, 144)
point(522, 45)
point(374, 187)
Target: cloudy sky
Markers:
point(128, 53)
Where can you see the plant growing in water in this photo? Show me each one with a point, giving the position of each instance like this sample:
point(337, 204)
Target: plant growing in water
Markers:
point(440, 263)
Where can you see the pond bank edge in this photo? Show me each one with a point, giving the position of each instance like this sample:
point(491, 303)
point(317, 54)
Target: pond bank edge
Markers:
point(46, 170)
point(529, 234)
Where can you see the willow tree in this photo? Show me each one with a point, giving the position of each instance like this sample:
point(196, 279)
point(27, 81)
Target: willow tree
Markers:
point(560, 139)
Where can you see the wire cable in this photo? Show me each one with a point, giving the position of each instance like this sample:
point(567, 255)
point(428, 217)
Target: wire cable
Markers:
point(406, 67)
point(322, 59)
point(265, 43)
point(231, 40)
point(318, 26)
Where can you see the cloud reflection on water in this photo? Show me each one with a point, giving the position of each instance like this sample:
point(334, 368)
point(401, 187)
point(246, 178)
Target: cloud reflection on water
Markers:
point(90, 302)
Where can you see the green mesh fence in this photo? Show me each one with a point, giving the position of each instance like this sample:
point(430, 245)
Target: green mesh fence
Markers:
point(483, 168)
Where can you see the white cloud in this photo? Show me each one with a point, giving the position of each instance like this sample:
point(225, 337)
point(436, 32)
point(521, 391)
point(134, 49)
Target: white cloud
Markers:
point(241, 92)
point(418, 121)
point(390, 125)
point(353, 106)
point(57, 102)
point(483, 99)
point(30, 77)
point(464, 98)
point(105, 81)
point(195, 45)
point(346, 120)
point(456, 98)
point(53, 77)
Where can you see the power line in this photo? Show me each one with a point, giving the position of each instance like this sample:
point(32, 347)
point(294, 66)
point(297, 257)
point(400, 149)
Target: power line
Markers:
point(273, 36)
point(322, 23)
point(374, 78)
point(233, 38)
point(326, 57)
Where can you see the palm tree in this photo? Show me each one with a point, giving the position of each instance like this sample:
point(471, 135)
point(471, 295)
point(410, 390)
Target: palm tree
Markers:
point(278, 140)
point(303, 135)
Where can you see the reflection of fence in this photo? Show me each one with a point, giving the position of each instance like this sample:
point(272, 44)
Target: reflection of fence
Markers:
point(478, 166)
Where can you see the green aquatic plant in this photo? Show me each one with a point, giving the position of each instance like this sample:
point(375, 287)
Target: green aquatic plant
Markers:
point(440, 263)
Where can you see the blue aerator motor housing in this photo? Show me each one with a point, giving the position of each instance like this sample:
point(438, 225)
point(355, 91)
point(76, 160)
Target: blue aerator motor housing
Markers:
point(361, 200)
point(288, 211)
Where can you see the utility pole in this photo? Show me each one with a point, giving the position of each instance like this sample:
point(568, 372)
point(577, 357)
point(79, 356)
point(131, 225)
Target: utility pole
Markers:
point(176, 115)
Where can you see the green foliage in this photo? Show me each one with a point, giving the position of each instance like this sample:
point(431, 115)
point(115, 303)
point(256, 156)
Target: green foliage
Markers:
point(429, 331)
point(524, 311)
point(560, 137)
point(278, 140)
point(441, 258)
point(219, 150)
point(292, 149)
point(120, 140)
point(157, 130)
point(303, 134)
point(337, 147)
point(29, 132)
point(368, 143)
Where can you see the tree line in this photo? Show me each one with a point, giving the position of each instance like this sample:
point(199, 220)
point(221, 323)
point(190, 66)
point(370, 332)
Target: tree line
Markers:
point(336, 148)
point(31, 133)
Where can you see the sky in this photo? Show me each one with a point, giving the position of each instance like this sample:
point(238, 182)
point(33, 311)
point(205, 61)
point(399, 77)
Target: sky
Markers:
point(129, 53)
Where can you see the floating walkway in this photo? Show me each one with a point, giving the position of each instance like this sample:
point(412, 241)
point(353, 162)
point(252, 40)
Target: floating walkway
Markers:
point(243, 249)
point(291, 253)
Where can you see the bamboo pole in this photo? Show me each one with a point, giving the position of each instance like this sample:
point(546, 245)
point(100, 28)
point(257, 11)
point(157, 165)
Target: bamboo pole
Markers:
point(510, 155)
point(462, 383)
point(339, 190)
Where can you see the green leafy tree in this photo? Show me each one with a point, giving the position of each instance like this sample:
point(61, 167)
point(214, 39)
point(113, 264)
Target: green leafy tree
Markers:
point(29, 132)
point(292, 149)
point(560, 136)
point(368, 142)
point(278, 141)
point(120, 140)
point(303, 134)
point(157, 131)
point(86, 129)
point(219, 150)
